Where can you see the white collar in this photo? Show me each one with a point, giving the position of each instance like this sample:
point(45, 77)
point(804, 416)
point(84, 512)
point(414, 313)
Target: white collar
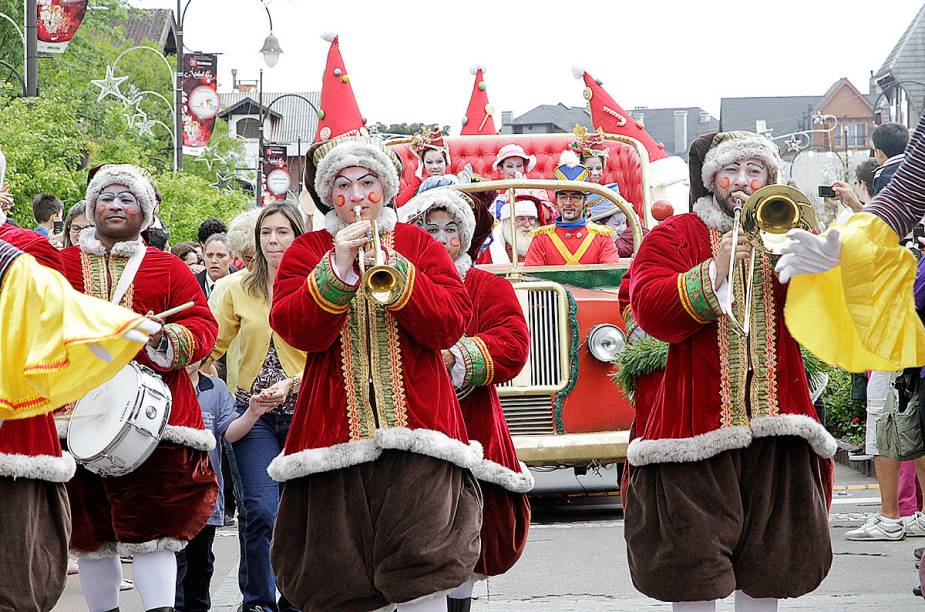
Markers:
point(711, 214)
point(895, 159)
point(91, 245)
point(463, 264)
point(386, 221)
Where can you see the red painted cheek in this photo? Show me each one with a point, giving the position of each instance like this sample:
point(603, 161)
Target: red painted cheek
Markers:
point(756, 184)
point(132, 212)
point(724, 182)
point(340, 200)
point(454, 242)
point(375, 197)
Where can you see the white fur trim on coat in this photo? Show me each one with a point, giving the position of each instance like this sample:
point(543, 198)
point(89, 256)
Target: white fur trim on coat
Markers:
point(90, 245)
point(39, 467)
point(355, 153)
point(61, 426)
point(709, 212)
point(683, 450)
point(506, 478)
point(386, 221)
point(739, 145)
point(132, 177)
point(431, 443)
point(197, 439)
point(315, 460)
point(106, 550)
point(821, 441)
point(130, 549)
point(463, 264)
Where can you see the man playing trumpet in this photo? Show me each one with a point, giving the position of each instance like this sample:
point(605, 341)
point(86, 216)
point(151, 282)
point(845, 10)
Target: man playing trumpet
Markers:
point(731, 472)
point(379, 506)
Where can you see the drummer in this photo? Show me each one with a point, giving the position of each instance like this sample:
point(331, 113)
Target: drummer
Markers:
point(156, 509)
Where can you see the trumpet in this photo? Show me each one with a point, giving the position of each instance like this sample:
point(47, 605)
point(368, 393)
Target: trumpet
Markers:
point(766, 217)
point(381, 282)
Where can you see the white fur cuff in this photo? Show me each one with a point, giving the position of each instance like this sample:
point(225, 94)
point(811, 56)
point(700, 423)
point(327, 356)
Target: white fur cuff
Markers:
point(197, 439)
point(40, 467)
point(495, 473)
point(315, 460)
point(130, 550)
point(684, 450)
point(821, 441)
point(431, 443)
point(104, 551)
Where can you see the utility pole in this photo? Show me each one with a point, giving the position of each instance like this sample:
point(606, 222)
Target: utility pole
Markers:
point(178, 93)
point(259, 190)
point(32, 53)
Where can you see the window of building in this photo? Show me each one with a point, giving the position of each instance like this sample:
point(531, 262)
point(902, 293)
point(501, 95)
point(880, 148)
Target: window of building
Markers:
point(857, 135)
point(248, 127)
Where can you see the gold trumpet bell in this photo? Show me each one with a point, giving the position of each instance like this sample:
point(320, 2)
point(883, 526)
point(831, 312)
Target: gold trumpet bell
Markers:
point(384, 284)
point(772, 211)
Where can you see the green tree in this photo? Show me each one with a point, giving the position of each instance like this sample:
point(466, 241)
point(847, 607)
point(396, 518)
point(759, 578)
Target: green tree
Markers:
point(186, 200)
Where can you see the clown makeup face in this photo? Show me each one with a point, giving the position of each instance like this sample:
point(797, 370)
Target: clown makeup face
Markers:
point(512, 167)
point(357, 186)
point(434, 163)
point(571, 205)
point(595, 166)
point(443, 228)
point(118, 215)
point(735, 181)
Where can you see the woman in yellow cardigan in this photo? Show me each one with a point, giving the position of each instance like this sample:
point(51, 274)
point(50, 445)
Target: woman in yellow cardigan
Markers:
point(269, 372)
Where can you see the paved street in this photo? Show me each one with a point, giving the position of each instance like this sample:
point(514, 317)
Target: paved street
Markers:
point(576, 561)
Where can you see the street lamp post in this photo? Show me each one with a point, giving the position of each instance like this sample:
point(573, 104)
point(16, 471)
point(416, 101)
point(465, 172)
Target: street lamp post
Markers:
point(32, 53)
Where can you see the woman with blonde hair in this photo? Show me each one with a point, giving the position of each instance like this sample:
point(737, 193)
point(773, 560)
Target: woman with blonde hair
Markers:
point(268, 376)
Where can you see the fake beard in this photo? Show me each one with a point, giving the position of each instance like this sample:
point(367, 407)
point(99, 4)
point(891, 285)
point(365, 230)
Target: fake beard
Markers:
point(523, 238)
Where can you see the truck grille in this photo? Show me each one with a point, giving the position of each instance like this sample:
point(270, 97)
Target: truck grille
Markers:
point(528, 415)
point(544, 306)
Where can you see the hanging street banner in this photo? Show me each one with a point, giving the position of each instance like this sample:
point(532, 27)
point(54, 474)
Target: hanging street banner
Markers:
point(57, 22)
point(275, 173)
point(200, 103)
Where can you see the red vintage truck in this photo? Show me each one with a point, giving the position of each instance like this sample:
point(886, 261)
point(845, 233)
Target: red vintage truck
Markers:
point(563, 410)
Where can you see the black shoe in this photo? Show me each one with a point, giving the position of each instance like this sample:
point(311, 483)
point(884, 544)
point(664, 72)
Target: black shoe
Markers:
point(162, 609)
point(917, 553)
point(458, 605)
point(917, 590)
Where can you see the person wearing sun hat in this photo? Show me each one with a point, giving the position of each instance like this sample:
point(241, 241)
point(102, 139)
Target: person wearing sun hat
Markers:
point(380, 418)
point(512, 163)
point(731, 473)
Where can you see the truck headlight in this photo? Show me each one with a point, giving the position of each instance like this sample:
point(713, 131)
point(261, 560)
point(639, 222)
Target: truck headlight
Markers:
point(606, 341)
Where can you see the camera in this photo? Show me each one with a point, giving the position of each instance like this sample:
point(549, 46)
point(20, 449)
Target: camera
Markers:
point(826, 191)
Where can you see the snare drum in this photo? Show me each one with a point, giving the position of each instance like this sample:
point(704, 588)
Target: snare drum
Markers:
point(119, 424)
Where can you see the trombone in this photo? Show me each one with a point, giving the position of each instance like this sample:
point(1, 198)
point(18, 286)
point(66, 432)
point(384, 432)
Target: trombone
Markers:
point(382, 282)
point(766, 217)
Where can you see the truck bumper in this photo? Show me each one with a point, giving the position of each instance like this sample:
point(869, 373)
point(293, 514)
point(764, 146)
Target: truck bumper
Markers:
point(572, 449)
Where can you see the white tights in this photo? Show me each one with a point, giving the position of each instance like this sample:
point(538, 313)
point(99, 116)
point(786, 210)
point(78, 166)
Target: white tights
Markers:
point(463, 591)
point(434, 604)
point(155, 576)
point(744, 603)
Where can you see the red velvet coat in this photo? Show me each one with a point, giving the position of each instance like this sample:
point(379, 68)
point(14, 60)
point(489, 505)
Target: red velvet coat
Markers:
point(29, 448)
point(544, 251)
point(494, 350)
point(709, 401)
point(413, 408)
point(162, 282)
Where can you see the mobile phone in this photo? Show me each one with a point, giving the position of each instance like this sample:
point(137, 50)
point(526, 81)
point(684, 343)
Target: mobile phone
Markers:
point(826, 191)
point(58, 228)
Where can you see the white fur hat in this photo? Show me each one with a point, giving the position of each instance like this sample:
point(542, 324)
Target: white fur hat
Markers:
point(455, 203)
point(727, 147)
point(360, 153)
point(525, 208)
point(132, 177)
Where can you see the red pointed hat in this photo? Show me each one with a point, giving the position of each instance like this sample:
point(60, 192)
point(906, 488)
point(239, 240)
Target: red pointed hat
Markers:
point(339, 113)
point(610, 116)
point(478, 120)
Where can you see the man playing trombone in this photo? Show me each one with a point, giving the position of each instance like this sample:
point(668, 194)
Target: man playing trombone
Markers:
point(731, 473)
point(379, 506)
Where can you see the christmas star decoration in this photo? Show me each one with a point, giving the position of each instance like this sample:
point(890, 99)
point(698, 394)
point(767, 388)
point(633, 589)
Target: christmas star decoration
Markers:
point(223, 183)
point(208, 156)
point(109, 85)
point(793, 143)
point(145, 126)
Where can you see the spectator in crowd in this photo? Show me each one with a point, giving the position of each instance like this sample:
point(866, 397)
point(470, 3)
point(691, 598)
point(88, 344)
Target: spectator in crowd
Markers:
point(195, 562)
point(159, 238)
point(241, 238)
point(854, 198)
point(47, 209)
point(187, 253)
point(889, 140)
point(207, 228)
point(267, 383)
point(218, 262)
point(74, 223)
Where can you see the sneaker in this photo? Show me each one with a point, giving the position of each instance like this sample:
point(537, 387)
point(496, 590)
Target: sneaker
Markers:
point(229, 521)
point(917, 553)
point(914, 525)
point(72, 567)
point(876, 529)
point(917, 590)
point(859, 455)
point(126, 585)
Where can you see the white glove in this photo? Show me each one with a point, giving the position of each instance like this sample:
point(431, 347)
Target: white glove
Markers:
point(808, 253)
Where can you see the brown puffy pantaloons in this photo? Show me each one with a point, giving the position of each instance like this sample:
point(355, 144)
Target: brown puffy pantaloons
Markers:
point(754, 519)
point(35, 524)
point(389, 531)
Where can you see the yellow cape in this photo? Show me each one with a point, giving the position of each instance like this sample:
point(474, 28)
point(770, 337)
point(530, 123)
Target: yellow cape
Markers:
point(45, 330)
point(860, 315)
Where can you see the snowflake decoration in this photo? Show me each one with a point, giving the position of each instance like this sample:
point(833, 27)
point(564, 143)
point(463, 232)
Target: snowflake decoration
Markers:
point(109, 85)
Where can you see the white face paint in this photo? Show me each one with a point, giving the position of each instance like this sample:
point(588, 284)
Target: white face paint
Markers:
point(746, 175)
point(444, 228)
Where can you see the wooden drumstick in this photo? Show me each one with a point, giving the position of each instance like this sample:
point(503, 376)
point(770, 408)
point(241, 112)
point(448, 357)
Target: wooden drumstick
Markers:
point(175, 310)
